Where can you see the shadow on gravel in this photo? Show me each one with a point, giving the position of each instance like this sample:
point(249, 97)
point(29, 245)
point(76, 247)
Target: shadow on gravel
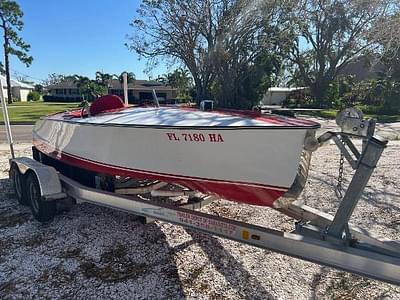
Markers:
point(227, 265)
point(119, 263)
point(331, 182)
point(374, 197)
point(334, 284)
point(11, 213)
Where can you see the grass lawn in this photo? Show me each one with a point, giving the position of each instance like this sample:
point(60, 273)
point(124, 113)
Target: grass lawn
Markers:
point(331, 114)
point(32, 111)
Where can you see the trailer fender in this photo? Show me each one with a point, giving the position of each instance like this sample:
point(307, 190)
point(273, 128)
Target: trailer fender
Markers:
point(49, 182)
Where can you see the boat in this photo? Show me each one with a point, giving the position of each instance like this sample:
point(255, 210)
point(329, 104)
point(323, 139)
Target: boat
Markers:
point(242, 156)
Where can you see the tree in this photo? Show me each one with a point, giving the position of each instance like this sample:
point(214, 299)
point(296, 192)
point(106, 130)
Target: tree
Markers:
point(246, 38)
point(33, 96)
point(385, 33)
point(179, 79)
point(131, 77)
point(54, 78)
point(11, 23)
point(39, 88)
point(327, 35)
point(258, 77)
point(88, 88)
point(209, 37)
point(104, 78)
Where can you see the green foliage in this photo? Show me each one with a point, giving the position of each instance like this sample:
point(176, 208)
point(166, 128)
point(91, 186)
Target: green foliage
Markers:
point(257, 78)
point(11, 23)
point(383, 95)
point(326, 36)
point(131, 77)
point(375, 96)
point(90, 89)
point(39, 88)
point(33, 96)
point(61, 99)
point(215, 40)
point(333, 94)
point(181, 80)
point(104, 78)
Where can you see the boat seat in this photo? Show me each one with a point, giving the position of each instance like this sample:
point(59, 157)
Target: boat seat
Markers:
point(106, 104)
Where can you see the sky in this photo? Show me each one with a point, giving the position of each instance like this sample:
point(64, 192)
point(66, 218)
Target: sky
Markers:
point(79, 37)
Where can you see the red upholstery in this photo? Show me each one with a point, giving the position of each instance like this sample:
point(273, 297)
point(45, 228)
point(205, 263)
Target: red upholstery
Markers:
point(106, 103)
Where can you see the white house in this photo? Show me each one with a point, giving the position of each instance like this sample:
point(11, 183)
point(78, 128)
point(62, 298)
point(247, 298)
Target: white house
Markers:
point(20, 90)
point(276, 95)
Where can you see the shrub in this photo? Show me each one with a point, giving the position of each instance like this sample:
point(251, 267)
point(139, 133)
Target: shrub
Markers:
point(33, 96)
point(50, 98)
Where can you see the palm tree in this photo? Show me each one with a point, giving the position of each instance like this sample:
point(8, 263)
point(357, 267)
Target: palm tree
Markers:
point(131, 77)
point(89, 88)
point(180, 79)
point(104, 79)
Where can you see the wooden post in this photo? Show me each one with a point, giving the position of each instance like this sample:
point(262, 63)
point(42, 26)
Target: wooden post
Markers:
point(125, 78)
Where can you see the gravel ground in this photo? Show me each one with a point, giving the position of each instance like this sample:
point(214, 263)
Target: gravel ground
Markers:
point(91, 252)
point(390, 131)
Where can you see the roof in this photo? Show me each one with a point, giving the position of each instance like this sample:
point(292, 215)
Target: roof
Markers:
point(286, 89)
point(363, 69)
point(15, 83)
point(65, 84)
point(116, 84)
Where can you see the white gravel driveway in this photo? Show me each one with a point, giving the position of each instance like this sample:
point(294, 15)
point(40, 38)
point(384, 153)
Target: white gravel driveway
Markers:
point(91, 252)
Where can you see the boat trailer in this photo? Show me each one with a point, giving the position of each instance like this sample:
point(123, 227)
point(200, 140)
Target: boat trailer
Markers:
point(317, 237)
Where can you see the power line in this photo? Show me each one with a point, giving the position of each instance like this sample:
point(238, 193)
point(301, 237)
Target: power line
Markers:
point(18, 73)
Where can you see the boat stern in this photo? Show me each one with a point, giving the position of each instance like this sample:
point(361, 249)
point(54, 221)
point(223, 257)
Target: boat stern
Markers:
point(310, 145)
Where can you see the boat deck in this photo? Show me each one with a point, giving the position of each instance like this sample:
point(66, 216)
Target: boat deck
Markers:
point(187, 117)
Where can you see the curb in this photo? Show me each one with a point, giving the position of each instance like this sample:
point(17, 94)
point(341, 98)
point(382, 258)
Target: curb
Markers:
point(19, 123)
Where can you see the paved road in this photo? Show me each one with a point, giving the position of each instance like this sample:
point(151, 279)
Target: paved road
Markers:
point(21, 133)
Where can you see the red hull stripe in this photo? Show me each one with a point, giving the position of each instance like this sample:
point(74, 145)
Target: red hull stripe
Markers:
point(248, 193)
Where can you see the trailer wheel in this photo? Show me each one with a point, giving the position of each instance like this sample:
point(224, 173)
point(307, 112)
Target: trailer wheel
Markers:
point(42, 210)
point(18, 183)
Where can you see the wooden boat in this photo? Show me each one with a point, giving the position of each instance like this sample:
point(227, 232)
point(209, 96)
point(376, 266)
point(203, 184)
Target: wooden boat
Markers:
point(238, 155)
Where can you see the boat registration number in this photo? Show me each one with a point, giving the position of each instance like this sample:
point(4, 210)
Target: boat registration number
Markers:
point(195, 137)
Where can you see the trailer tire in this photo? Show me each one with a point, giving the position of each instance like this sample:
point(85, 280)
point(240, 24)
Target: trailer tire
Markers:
point(42, 210)
point(36, 155)
point(18, 183)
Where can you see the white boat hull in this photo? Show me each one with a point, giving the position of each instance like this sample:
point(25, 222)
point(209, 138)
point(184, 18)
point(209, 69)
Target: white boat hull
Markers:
point(252, 165)
point(239, 158)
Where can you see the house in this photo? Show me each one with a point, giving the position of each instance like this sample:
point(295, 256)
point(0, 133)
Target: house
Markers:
point(276, 95)
point(139, 91)
point(19, 90)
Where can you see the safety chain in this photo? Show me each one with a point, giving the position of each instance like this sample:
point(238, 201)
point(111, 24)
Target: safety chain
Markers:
point(339, 189)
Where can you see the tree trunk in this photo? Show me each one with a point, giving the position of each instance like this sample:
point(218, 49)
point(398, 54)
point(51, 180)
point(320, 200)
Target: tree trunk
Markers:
point(7, 65)
point(201, 91)
point(320, 91)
